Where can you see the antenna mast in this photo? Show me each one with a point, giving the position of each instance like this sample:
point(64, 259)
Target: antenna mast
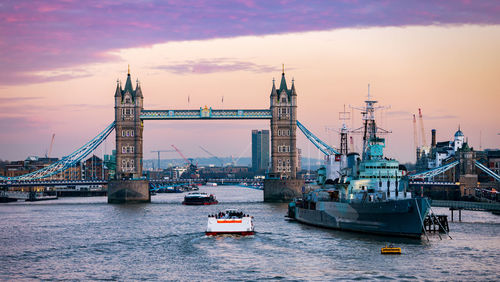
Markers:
point(343, 116)
point(369, 128)
point(421, 120)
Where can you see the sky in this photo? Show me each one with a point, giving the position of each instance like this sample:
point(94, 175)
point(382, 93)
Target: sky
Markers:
point(60, 61)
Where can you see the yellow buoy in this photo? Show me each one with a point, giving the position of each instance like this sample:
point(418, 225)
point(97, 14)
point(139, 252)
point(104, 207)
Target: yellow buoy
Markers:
point(390, 250)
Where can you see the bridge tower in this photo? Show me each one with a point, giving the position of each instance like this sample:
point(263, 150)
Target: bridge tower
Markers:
point(128, 185)
point(282, 183)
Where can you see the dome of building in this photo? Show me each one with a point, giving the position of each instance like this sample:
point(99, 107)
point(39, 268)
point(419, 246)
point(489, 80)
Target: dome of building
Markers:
point(459, 133)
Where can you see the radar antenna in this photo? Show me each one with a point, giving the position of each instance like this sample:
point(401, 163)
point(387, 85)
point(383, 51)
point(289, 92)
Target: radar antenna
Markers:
point(369, 128)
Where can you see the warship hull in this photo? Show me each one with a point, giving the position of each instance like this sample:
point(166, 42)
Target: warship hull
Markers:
point(394, 218)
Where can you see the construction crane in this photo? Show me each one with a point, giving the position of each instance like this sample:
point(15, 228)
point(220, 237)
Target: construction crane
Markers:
point(161, 151)
point(212, 155)
point(51, 144)
point(193, 168)
point(180, 153)
point(421, 120)
point(415, 137)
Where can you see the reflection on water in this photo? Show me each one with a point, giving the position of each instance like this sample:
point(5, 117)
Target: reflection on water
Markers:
point(86, 238)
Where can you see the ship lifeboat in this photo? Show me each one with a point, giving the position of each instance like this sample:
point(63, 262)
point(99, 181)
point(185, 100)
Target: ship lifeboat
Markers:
point(231, 221)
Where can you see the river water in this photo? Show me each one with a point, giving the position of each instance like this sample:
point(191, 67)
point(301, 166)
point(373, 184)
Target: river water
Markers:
point(88, 239)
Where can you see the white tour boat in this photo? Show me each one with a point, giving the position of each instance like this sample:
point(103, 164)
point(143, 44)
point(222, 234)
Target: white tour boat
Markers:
point(230, 221)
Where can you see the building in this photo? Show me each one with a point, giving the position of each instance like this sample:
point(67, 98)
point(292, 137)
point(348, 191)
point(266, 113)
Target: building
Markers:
point(466, 174)
point(260, 150)
point(110, 164)
point(439, 152)
point(93, 168)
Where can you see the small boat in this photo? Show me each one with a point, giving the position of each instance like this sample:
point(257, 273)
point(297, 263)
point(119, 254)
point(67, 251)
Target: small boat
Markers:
point(171, 189)
point(390, 250)
point(196, 198)
point(230, 221)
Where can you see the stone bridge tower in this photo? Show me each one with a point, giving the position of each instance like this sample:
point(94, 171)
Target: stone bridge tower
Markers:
point(282, 183)
point(283, 103)
point(128, 107)
point(128, 185)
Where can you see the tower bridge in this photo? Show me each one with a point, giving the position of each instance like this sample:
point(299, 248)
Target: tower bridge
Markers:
point(282, 185)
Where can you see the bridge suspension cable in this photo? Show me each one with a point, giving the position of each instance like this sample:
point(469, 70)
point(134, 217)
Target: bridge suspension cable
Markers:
point(433, 172)
point(322, 146)
point(487, 170)
point(67, 161)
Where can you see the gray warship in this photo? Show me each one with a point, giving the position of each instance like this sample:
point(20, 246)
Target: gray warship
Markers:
point(367, 194)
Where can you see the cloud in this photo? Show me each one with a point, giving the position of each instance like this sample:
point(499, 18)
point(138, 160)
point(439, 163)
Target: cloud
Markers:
point(14, 124)
point(399, 113)
point(49, 35)
point(204, 66)
point(86, 107)
point(6, 100)
point(441, 117)
point(21, 77)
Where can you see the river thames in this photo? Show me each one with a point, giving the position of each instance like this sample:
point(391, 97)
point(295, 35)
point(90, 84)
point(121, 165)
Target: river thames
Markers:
point(88, 239)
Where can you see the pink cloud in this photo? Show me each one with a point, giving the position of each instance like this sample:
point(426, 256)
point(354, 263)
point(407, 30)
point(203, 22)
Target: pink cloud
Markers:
point(204, 66)
point(46, 35)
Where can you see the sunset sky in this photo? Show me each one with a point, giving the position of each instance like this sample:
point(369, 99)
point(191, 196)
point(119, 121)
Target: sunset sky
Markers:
point(59, 62)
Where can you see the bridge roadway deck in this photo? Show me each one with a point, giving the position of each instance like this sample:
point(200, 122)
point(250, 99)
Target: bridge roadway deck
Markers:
point(205, 113)
point(474, 206)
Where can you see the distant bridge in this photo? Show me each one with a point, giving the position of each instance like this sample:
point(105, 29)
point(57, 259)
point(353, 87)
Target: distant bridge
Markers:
point(34, 183)
point(52, 183)
point(202, 180)
point(433, 183)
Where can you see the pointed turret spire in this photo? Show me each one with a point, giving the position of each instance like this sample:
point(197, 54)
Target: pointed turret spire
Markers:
point(138, 91)
point(273, 90)
point(128, 83)
point(283, 80)
point(118, 91)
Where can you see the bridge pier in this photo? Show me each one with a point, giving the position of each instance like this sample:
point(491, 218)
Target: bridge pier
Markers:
point(282, 190)
point(128, 191)
point(459, 214)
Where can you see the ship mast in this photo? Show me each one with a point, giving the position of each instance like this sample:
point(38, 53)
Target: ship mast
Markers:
point(343, 132)
point(369, 128)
